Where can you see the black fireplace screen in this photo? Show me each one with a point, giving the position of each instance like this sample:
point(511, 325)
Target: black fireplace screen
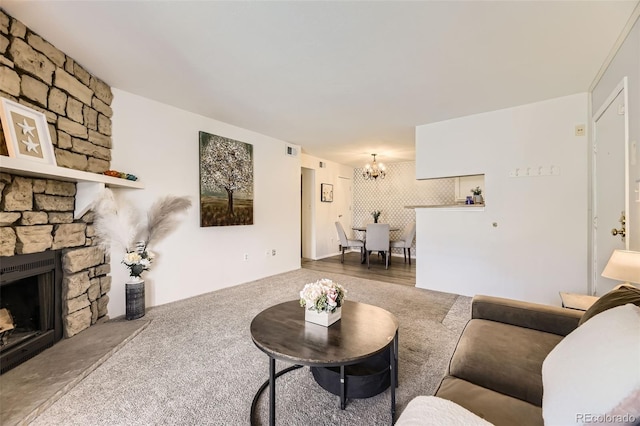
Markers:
point(30, 287)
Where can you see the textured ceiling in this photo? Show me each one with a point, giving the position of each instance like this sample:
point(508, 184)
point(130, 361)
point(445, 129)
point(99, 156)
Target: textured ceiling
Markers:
point(341, 79)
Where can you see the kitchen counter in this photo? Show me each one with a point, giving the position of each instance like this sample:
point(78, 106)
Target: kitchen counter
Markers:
point(448, 206)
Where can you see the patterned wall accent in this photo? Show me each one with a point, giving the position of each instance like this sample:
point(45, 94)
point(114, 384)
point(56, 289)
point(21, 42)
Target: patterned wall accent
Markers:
point(391, 194)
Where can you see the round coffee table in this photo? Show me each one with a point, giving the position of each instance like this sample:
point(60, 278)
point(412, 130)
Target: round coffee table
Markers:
point(363, 331)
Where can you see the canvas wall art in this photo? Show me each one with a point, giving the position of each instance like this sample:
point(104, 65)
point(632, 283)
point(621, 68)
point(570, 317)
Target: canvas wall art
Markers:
point(226, 181)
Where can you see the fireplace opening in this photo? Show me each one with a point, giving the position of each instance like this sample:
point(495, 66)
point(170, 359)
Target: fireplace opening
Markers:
point(30, 306)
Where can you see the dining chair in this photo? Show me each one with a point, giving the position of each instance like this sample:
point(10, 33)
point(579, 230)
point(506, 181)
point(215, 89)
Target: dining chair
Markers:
point(406, 241)
point(347, 242)
point(378, 240)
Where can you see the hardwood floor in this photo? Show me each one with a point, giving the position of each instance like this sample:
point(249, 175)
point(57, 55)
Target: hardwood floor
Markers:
point(398, 272)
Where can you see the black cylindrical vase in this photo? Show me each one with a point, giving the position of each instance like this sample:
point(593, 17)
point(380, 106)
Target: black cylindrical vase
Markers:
point(134, 294)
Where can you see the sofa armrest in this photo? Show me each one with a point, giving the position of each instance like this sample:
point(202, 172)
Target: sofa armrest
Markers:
point(547, 318)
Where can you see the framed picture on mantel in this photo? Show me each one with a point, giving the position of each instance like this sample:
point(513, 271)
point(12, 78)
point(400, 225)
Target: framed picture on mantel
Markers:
point(26, 133)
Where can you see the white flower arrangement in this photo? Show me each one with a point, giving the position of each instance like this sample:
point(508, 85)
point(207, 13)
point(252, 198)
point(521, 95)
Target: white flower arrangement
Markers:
point(322, 296)
point(138, 262)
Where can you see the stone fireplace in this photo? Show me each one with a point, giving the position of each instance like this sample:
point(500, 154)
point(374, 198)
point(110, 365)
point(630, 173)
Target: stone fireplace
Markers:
point(37, 218)
point(37, 212)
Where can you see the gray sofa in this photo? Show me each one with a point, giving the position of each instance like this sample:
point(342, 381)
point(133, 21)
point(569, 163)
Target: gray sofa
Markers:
point(587, 362)
point(496, 369)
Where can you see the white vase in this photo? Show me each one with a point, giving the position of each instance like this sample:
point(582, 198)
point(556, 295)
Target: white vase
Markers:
point(322, 318)
point(134, 280)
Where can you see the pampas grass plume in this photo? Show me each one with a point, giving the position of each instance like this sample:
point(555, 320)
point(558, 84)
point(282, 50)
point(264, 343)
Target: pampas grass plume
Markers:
point(161, 217)
point(113, 224)
point(122, 225)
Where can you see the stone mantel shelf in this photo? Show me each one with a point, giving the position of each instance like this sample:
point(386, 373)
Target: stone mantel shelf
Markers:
point(88, 184)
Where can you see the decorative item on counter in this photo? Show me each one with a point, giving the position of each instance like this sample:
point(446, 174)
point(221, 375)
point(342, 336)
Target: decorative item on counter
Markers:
point(376, 215)
point(469, 200)
point(477, 195)
point(120, 175)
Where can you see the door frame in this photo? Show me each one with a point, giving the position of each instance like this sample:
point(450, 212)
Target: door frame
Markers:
point(621, 87)
point(307, 212)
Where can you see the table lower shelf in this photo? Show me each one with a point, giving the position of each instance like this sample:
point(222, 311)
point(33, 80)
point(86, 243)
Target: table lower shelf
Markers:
point(363, 380)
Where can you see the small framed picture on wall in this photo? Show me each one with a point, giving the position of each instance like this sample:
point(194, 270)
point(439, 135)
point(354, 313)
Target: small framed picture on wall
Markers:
point(26, 133)
point(326, 192)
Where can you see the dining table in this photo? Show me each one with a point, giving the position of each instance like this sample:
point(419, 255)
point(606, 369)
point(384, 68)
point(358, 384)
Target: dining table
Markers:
point(364, 228)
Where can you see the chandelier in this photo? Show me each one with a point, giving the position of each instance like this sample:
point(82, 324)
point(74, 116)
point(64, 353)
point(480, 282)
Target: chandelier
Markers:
point(374, 170)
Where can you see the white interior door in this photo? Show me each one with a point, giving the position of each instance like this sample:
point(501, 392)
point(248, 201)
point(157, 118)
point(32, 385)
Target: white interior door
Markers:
point(343, 199)
point(610, 177)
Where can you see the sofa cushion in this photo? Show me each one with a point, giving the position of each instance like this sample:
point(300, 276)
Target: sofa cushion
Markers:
point(502, 357)
point(494, 407)
point(617, 297)
point(434, 411)
point(595, 369)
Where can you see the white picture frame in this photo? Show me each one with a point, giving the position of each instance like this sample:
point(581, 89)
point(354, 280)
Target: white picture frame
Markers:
point(26, 133)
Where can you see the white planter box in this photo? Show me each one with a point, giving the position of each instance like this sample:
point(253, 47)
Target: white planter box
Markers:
point(322, 318)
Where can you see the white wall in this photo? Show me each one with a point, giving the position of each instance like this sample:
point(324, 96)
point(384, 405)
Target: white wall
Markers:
point(326, 240)
point(538, 245)
point(159, 143)
point(627, 63)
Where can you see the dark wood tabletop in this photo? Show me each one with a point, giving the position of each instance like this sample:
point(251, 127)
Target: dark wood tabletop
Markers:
point(364, 330)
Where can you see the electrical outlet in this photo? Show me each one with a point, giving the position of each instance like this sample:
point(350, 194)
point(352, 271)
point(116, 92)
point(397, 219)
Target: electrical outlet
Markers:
point(580, 130)
point(273, 252)
point(246, 256)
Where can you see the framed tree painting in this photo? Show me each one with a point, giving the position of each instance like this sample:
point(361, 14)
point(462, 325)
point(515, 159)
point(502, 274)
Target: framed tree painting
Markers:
point(26, 133)
point(226, 181)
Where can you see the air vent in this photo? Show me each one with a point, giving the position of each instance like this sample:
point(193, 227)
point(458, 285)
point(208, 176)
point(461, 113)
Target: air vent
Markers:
point(292, 151)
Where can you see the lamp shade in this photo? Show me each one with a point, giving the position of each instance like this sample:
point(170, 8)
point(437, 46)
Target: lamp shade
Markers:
point(623, 265)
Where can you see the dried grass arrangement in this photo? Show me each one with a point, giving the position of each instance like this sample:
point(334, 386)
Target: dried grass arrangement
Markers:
point(122, 225)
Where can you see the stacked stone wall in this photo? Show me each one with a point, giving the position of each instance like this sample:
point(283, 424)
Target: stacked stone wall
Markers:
point(37, 214)
point(76, 103)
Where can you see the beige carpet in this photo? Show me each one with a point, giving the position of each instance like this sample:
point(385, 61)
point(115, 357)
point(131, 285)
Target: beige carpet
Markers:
point(195, 363)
